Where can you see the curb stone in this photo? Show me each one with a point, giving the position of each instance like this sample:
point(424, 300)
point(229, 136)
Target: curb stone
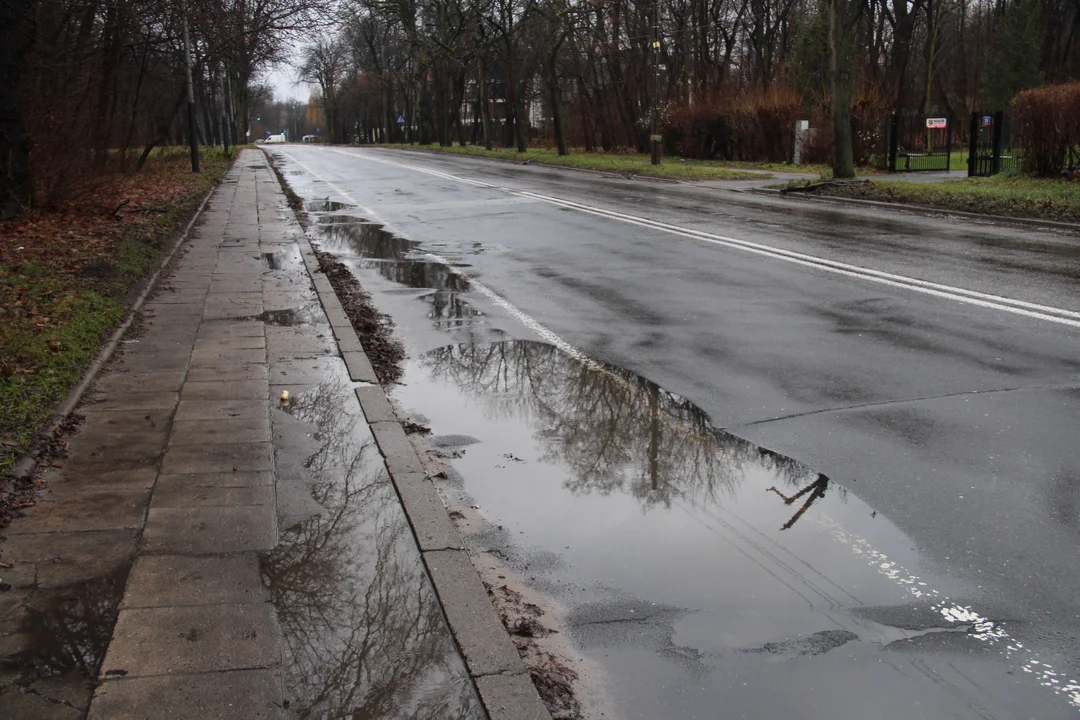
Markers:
point(501, 680)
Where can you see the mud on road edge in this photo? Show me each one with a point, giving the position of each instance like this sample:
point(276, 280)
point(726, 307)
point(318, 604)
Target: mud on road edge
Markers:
point(506, 687)
point(374, 329)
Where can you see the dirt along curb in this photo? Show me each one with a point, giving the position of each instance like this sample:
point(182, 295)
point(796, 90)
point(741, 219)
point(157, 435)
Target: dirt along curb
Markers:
point(60, 420)
point(499, 675)
point(909, 207)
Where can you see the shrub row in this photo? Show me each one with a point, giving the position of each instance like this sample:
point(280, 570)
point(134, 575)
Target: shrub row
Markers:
point(761, 126)
point(758, 126)
point(1047, 121)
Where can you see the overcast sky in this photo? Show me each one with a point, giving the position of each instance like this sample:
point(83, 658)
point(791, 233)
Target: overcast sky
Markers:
point(283, 80)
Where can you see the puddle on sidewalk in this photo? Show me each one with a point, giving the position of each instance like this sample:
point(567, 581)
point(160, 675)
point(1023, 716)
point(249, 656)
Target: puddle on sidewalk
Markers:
point(67, 630)
point(274, 261)
point(290, 317)
point(695, 569)
point(364, 632)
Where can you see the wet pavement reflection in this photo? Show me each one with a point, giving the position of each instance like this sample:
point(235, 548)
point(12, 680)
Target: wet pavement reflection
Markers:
point(354, 235)
point(698, 570)
point(70, 627)
point(387, 253)
point(365, 636)
point(326, 205)
point(290, 317)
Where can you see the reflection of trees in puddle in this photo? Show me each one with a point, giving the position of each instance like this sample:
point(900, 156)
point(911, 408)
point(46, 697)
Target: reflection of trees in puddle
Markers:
point(617, 431)
point(365, 637)
point(422, 274)
point(449, 309)
point(70, 627)
point(366, 240)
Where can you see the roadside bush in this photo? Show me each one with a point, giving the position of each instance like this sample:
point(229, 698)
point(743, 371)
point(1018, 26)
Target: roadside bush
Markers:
point(761, 127)
point(869, 118)
point(753, 127)
point(1048, 120)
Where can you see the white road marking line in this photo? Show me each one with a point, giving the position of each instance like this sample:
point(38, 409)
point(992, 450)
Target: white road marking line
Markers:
point(985, 629)
point(1048, 313)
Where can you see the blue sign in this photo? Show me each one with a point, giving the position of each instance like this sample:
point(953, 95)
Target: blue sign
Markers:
point(401, 119)
point(987, 120)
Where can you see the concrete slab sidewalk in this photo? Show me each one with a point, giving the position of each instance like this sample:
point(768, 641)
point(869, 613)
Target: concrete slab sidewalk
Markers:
point(210, 550)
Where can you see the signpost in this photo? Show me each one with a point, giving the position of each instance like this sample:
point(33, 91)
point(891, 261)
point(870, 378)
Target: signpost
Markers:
point(936, 123)
point(400, 119)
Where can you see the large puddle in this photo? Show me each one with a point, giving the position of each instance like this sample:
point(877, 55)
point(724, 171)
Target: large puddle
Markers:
point(696, 569)
point(365, 635)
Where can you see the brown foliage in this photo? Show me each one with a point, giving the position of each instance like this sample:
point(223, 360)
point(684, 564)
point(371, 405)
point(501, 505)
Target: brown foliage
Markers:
point(756, 126)
point(1048, 120)
point(869, 117)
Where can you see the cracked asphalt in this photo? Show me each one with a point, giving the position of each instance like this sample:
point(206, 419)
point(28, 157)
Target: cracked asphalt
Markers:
point(934, 388)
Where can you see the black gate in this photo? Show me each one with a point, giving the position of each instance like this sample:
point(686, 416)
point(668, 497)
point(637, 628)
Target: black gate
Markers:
point(917, 142)
point(990, 148)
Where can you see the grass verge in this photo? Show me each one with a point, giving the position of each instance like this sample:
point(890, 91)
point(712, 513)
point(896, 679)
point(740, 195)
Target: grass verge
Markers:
point(623, 164)
point(1012, 196)
point(68, 275)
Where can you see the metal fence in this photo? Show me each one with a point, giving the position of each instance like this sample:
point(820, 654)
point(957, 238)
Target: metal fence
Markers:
point(917, 142)
point(991, 146)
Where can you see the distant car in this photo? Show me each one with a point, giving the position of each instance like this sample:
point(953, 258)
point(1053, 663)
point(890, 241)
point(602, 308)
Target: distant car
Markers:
point(311, 138)
point(275, 138)
point(260, 141)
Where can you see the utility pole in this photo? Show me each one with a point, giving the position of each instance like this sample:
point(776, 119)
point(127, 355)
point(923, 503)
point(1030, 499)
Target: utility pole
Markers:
point(193, 137)
point(654, 139)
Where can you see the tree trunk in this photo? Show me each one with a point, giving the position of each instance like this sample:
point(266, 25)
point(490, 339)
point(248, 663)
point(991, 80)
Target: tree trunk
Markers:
point(840, 74)
point(14, 143)
point(512, 96)
point(110, 59)
point(458, 99)
point(425, 110)
point(482, 100)
point(388, 113)
point(555, 98)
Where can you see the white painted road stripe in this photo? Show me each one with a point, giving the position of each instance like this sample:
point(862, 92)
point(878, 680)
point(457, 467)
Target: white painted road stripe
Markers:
point(1048, 313)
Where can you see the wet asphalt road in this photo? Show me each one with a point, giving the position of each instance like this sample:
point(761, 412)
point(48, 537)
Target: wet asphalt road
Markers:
point(934, 572)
